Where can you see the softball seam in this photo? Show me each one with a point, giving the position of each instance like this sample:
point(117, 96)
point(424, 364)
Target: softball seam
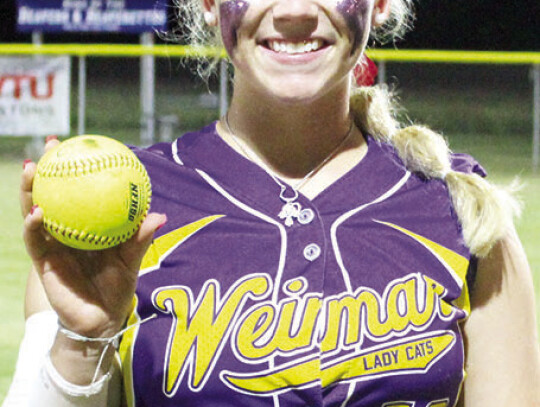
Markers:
point(89, 165)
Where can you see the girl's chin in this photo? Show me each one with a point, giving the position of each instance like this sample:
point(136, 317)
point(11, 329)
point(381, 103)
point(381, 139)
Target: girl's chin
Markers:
point(294, 94)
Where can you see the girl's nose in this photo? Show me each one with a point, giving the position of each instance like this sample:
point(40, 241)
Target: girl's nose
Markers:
point(295, 17)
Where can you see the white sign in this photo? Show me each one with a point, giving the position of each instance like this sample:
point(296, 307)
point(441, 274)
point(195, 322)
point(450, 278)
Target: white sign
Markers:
point(34, 95)
point(127, 16)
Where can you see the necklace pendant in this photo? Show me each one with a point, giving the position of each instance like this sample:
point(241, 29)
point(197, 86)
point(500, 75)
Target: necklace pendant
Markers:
point(289, 211)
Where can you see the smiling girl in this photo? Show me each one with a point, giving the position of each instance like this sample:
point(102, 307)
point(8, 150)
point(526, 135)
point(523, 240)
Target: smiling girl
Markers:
point(315, 252)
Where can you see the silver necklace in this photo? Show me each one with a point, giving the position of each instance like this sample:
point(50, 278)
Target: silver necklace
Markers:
point(290, 209)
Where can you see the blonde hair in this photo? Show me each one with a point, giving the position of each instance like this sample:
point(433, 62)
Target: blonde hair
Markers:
point(193, 30)
point(398, 23)
point(484, 210)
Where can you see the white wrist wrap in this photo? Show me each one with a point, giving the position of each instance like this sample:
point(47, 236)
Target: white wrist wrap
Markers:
point(70, 389)
point(52, 390)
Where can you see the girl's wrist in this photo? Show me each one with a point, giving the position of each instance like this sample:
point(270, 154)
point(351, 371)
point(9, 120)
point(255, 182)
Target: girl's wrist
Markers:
point(80, 362)
point(83, 360)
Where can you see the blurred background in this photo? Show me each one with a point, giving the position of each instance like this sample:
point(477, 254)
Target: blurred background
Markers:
point(483, 109)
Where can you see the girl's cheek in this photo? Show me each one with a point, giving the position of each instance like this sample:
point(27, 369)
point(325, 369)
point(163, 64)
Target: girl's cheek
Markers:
point(355, 13)
point(231, 14)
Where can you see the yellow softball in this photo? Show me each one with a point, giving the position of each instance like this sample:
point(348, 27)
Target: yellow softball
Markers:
point(93, 190)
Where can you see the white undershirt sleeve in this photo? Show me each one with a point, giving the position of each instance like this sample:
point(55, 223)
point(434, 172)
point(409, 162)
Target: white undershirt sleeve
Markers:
point(37, 383)
point(39, 334)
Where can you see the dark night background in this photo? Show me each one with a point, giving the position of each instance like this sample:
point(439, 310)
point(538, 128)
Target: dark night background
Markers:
point(510, 25)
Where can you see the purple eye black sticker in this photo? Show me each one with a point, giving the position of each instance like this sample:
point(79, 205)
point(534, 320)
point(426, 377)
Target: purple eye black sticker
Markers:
point(355, 13)
point(231, 14)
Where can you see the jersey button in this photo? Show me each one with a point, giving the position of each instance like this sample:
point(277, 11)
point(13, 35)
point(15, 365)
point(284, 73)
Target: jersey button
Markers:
point(312, 252)
point(306, 216)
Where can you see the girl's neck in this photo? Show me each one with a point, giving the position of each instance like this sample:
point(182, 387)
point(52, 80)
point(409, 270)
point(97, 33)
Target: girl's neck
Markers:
point(290, 138)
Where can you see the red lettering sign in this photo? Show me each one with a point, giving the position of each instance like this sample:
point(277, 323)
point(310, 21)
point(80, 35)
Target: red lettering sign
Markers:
point(19, 80)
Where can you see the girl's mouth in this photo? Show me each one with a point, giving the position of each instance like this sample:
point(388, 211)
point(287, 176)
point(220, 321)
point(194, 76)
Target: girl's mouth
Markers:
point(294, 47)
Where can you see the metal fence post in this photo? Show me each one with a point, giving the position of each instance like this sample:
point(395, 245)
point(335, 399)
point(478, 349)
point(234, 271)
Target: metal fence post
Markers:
point(147, 92)
point(35, 148)
point(81, 115)
point(381, 75)
point(37, 38)
point(535, 71)
point(223, 92)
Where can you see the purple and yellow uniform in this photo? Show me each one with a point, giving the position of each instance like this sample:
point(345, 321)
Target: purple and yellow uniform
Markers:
point(358, 303)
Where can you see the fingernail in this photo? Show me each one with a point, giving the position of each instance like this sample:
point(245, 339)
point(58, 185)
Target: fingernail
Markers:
point(26, 162)
point(33, 209)
point(51, 137)
point(162, 223)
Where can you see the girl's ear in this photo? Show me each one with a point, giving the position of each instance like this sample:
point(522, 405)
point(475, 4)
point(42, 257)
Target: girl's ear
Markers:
point(210, 12)
point(381, 12)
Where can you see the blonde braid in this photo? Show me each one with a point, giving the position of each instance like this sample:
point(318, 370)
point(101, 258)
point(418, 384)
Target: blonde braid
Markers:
point(484, 210)
point(373, 111)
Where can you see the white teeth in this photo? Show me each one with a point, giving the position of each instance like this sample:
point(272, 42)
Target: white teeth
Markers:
point(295, 47)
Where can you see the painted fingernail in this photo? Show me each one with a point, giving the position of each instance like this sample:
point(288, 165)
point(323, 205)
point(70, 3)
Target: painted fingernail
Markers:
point(162, 224)
point(51, 137)
point(33, 209)
point(26, 162)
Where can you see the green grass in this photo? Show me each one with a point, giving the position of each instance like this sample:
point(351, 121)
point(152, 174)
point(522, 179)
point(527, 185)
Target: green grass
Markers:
point(14, 266)
point(495, 130)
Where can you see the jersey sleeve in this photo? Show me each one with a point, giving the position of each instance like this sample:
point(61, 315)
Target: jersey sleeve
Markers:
point(467, 164)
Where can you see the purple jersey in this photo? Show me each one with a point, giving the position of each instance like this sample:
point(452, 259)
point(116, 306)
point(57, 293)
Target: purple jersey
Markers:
point(358, 303)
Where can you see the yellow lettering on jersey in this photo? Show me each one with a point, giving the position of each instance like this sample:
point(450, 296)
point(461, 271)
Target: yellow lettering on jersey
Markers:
point(197, 334)
point(457, 263)
point(261, 333)
point(382, 316)
point(266, 330)
point(163, 245)
point(413, 356)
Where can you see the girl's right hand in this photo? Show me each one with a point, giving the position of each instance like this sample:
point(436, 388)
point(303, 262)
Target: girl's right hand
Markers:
point(91, 291)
